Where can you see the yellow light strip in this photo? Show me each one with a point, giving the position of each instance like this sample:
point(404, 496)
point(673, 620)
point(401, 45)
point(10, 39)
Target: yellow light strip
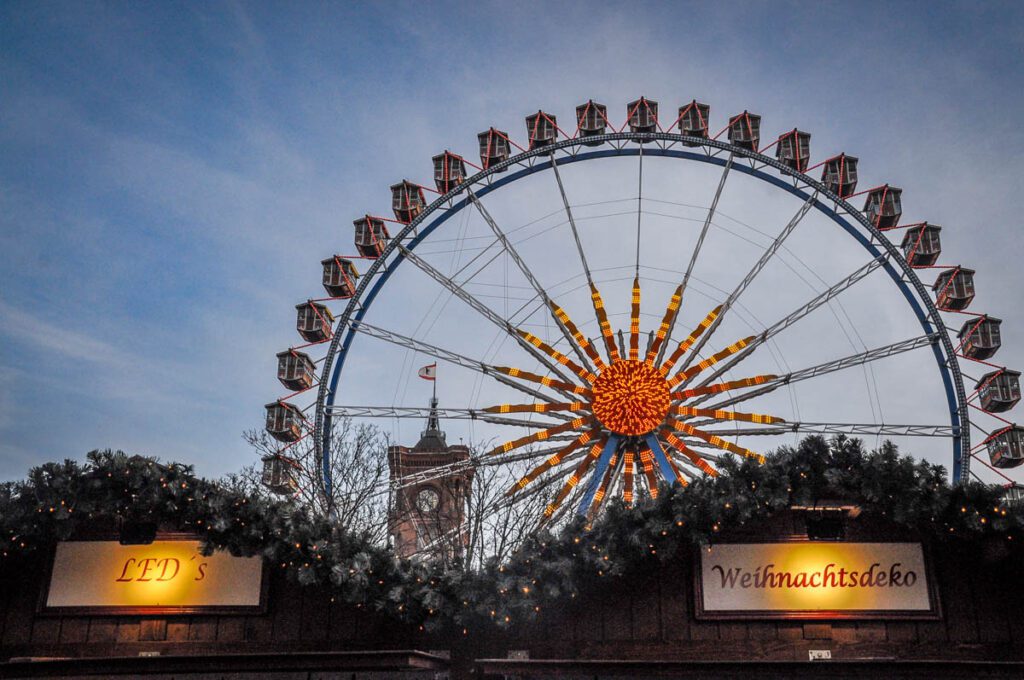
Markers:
point(647, 465)
point(726, 415)
point(634, 322)
point(551, 462)
point(536, 408)
point(715, 441)
point(679, 473)
point(602, 320)
point(543, 380)
point(666, 321)
point(682, 448)
point(574, 479)
point(688, 342)
point(724, 387)
point(558, 356)
point(538, 436)
point(603, 489)
point(710, 361)
point(581, 340)
point(628, 469)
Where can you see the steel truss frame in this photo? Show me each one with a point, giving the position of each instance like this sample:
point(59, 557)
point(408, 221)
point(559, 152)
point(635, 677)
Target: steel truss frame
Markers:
point(663, 144)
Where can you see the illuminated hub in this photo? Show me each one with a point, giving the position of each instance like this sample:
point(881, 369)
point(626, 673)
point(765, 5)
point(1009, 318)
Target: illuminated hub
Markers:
point(631, 397)
point(618, 400)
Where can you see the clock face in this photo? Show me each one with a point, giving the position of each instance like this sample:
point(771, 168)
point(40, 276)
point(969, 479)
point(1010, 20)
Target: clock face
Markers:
point(427, 500)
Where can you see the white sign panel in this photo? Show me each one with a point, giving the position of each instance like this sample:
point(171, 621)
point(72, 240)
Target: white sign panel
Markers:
point(814, 579)
point(164, 575)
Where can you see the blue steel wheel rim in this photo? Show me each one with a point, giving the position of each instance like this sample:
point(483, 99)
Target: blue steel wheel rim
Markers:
point(483, 183)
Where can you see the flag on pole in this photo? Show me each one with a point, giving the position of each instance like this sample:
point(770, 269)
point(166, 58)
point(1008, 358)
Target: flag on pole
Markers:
point(429, 372)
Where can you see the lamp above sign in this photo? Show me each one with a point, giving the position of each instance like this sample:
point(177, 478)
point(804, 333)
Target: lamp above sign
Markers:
point(815, 580)
point(166, 576)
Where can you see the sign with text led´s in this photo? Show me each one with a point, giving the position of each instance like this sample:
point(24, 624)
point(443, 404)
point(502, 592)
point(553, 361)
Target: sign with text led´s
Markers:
point(166, 576)
point(814, 580)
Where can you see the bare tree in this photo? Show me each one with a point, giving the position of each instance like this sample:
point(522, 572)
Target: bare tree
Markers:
point(358, 472)
point(477, 519)
point(492, 521)
point(498, 522)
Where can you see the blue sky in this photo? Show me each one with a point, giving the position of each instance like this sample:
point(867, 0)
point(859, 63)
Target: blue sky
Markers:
point(171, 174)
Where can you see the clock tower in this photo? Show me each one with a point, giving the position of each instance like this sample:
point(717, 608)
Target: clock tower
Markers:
point(432, 482)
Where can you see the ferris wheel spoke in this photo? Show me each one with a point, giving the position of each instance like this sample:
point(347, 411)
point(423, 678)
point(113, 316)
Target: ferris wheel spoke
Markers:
point(450, 357)
point(521, 264)
point(766, 256)
point(696, 253)
point(794, 317)
point(446, 470)
point(696, 459)
point(721, 415)
point(563, 360)
point(639, 208)
point(687, 466)
point(575, 424)
point(607, 479)
point(685, 344)
point(603, 323)
point(418, 413)
point(690, 372)
point(705, 450)
point(714, 440)
point(663, 330)
point(708, 390)
point(580, 339)
point(634, 321)
point(851, 429)
point(543, 380)
point(669, 471)
point(646, 468)
point(834, 365)
point(606, 463)
point(572, 220)
point(556, 459)
point(595, 295)
point(414, 479)
point(628, 473)
point(538, 488)
point(573, 406)
point(574, 479)
point(481, 309)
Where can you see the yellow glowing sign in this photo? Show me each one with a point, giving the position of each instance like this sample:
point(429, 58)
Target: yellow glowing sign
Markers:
point(164, 575)
point(814, 579)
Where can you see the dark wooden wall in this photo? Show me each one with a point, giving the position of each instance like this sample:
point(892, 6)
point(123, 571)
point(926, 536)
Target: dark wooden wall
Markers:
point(651, 617)
point(646, 615)
point(297, 619)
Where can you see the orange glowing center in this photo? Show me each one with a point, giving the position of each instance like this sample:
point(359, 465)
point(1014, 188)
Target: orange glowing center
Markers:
point(630, 397)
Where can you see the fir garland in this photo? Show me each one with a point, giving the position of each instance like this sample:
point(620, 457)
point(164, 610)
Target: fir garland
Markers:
point(60, 500)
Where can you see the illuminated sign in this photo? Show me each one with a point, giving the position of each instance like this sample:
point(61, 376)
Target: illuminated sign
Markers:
point(815, 580)
point(167, 576)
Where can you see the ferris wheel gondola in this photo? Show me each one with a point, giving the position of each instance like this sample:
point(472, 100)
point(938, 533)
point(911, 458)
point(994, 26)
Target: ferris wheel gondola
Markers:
point(636, 407)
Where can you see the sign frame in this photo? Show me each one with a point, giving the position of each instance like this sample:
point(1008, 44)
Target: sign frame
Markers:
point(43, 609)
point(933, 614)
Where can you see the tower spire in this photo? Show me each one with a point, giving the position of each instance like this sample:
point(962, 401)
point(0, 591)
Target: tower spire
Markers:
point(433, 438)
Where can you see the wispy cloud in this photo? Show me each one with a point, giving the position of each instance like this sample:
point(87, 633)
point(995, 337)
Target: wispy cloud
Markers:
point(43, 335)
point(166, 195)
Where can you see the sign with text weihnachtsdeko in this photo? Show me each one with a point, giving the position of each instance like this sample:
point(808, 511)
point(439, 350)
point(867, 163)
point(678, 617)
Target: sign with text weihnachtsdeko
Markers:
point(812, 579)
point(166, 576)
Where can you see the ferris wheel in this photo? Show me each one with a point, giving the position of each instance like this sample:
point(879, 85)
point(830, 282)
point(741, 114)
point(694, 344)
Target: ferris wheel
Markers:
point(610, 339)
